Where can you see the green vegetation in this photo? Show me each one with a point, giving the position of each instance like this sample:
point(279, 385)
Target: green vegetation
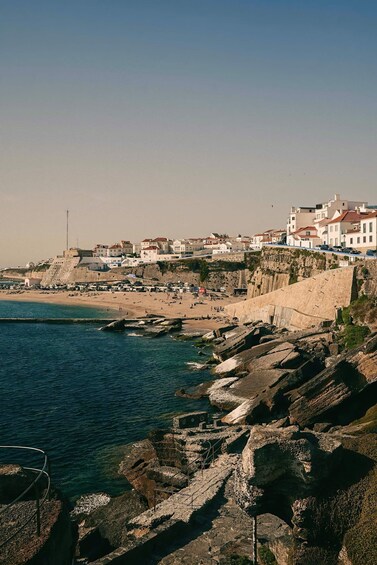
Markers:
point(266, 556)
point(353, 317)
point(354, 335)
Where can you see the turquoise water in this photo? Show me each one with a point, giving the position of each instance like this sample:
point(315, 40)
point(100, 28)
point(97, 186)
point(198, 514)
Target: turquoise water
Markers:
point(81, 394)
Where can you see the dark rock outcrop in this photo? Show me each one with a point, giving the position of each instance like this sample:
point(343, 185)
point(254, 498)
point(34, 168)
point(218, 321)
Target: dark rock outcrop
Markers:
point(323, 398)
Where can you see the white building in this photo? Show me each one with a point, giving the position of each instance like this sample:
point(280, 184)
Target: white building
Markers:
point(100, 250)
point(364, 237)
point(342, 224)
point(327, 210)
point(300, 218)
point(186, 247)
point(150, 254)
point(163, 244)
point(306, 237)
point(266, 237)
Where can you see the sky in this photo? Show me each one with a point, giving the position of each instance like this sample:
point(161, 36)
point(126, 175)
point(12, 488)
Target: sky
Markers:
point(177, 118)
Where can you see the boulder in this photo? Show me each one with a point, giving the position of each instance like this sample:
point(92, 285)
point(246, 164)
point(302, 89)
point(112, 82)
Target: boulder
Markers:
point(279, 466)
point(138, 461)
point(116, 326)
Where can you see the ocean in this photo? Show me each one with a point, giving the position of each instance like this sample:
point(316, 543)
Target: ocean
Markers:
point(82, 395)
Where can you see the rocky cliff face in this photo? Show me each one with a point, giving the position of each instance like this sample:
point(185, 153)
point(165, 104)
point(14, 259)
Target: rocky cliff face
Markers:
point(280, 267)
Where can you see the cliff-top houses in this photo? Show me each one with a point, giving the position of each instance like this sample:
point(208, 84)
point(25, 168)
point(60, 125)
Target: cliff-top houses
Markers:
point(336, 223)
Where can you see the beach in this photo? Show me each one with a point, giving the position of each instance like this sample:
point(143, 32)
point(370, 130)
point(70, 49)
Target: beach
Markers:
point(205, 312)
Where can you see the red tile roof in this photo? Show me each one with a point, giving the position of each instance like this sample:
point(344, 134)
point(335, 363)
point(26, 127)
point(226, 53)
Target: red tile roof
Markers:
point(348, 216)
point(370, 216)
point(304, 229)
point(150, 248)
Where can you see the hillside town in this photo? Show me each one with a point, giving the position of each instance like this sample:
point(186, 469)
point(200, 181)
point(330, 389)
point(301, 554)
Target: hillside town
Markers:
point(336, 225)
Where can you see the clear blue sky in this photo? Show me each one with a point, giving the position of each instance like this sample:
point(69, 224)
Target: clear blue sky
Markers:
point(179, 117)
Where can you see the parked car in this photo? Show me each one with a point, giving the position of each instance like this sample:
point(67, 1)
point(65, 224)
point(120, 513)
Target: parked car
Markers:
point(355, 252)
point(338, 248)
point(372, 253)
point(324, 247)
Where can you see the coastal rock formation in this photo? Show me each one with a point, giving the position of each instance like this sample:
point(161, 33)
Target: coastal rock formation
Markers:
point(322, 398)
point(239, 339)
point(296, 476)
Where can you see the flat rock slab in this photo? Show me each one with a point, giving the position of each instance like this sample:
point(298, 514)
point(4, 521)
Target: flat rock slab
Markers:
point(256, 382)
point(185, 503)
point(238, 340)
point(241, 360)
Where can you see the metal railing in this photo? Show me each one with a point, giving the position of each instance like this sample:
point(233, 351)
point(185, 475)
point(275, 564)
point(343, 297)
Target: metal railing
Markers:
point(41, 491)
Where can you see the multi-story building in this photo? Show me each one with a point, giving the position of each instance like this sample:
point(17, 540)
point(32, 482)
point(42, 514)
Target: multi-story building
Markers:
point(364, 235)
point(100, 250)
point(186, 247)
point(127, 247)
point(300, 217)
point(150, 254)
point(327, 210)
point(340, 225)
point(163, 243)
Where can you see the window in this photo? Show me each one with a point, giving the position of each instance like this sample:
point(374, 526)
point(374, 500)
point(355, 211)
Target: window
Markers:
point(364, 228)
point(364, 239)
point(370, 239)
point(370, 226)
point(358, 240)
point(351, 240)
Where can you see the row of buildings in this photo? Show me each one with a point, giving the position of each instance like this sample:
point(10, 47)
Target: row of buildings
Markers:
point(151, 250)
point(337, 223)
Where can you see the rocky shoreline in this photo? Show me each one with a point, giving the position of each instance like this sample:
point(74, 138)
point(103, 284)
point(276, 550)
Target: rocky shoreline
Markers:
point(293, 447)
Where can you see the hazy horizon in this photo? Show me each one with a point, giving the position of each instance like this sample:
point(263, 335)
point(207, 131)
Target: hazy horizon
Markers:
point(170, 118)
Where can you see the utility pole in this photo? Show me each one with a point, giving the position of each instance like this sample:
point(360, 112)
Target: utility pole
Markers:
point(67, 232)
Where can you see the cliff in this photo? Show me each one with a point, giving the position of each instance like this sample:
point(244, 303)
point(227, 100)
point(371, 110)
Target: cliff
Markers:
point(301, 305)
point(281, 267)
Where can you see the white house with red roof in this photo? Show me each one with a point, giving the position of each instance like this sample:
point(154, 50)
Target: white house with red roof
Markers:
point(342, 224)
point(163, 243)
point(364, 236)
point(306, 237)
point(150, 254)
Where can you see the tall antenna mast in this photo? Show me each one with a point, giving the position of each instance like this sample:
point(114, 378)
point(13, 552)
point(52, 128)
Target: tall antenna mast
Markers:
point(67, 229)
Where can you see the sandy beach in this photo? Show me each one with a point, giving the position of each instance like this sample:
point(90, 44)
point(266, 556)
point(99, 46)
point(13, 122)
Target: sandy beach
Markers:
point(204, 312)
